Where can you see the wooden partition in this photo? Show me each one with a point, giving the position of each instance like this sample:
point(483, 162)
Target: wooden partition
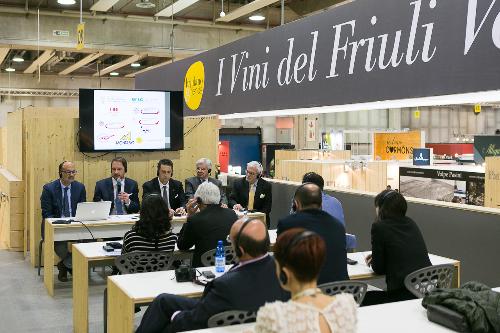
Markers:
point(492, 182)
point(282, 155)
point(50, 136)
point(11, 211)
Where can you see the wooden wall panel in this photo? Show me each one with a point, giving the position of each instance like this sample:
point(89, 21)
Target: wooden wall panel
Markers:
point(50, 136)
point(11, 211)
point(492, 182)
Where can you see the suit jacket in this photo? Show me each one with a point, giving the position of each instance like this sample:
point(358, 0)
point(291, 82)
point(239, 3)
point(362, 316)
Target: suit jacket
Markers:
point(205, 229)
point(193, 183)
point(398, 249)
point(51, 199)
point(333, 233)
point(176, 195)
point(104, 192)
point(263, 198)
point(242, 288)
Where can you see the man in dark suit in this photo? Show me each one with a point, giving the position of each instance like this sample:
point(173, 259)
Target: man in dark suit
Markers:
point(123, 193)
point(59, 199)
point(203, 170)
point(205, 228)
point(307, 204)
point(246, 286)
point(252, 192)
point(170, 189)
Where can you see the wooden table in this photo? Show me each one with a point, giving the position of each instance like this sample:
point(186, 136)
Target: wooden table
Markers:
point(87, 255)
point(125, 291)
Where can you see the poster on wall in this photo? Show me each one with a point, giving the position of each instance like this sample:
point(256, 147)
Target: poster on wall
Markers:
point(311, 130)
point(398, 146)
point(486, 145)
point(422, 156)
point(332, 140)
point(442, 185)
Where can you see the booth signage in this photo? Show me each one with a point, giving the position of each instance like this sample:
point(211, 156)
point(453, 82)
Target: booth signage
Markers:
point(399, 146)
point(486, 145)
point(422, 156)
point(363, 51)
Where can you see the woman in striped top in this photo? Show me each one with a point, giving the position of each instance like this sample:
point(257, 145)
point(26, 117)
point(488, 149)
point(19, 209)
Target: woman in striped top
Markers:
point(152, 232)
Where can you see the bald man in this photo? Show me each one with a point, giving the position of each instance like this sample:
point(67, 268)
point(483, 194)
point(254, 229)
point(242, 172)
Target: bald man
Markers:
point(246, 286)
point(59, 199)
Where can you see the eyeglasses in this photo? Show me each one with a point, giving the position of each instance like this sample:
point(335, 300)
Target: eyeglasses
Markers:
point(251, 173)
point(70, 172)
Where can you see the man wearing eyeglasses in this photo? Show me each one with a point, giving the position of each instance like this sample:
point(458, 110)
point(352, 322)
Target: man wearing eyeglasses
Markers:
point(59, 199)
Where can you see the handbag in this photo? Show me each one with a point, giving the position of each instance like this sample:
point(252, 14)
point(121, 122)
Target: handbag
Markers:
point(447, 317)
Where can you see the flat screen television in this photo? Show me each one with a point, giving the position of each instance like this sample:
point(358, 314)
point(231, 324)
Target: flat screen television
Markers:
point(130, 120)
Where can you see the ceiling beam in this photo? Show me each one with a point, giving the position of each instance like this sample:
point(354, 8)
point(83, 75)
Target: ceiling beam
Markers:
point(148, 68)
point(246, 9)
point(3, 54)
point(103, 5)
point(42, 59)
point(82, 62)
point(178, 6)
point(120, 64)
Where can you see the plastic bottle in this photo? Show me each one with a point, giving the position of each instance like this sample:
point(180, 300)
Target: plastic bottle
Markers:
point(220, 258)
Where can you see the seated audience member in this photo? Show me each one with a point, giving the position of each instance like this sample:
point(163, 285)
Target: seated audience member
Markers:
point(170, 189)
point(252, 192)
point(398, 248)
point(123, 193)
point(246, 286)
point(299, 255)
point(59, 199)
point(307, 204)
point(203, 170)
point(152, 232)
point(205, 228)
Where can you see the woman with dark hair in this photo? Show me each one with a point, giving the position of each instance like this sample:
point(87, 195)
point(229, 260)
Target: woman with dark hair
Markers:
point(152, 232)
point(398, 248)
point(299, 255)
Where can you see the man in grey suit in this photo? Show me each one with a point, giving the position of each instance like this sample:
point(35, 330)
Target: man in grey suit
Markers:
point(203, 169)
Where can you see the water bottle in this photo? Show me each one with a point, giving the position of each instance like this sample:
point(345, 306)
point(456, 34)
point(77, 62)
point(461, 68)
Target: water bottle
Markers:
point(220, 258)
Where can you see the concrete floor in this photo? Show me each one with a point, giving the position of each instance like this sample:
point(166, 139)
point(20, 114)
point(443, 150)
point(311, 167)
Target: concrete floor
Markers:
point(25, 305)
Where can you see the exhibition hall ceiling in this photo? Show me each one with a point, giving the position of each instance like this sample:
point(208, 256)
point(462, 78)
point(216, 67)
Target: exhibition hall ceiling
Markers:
point(127, 37)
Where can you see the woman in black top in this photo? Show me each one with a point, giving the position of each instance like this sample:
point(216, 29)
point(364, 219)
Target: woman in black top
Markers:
point(152, 232)
point(398, 248)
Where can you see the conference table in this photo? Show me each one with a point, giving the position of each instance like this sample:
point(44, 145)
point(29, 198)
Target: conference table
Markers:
point(87, 255)
point(114, 226)
point(127, 291)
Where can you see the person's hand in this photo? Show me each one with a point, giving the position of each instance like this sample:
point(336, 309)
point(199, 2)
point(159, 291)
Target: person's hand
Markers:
point(223, 205)
point(238, 207)
point(180, 211)
point(191, 207)
point(368, 260)
point(171, 213)
point(124, 197)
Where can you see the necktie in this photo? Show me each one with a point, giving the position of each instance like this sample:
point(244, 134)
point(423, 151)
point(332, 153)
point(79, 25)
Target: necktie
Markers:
point(118, 202)
point(65, 211)
point(251, 195)
point(165, 196)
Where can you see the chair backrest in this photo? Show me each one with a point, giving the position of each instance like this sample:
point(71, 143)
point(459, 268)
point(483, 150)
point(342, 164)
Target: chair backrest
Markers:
point(232, 317)
point(208, 258)
point(356, 288)
point(142, 262)
point(423, 281)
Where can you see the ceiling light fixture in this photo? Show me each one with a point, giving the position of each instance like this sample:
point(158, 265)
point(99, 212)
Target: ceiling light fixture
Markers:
point(66, 2)
point(17, 59)
point(145, 4)
point(135, 64)
point(114, 74)
point(257, 18)
point(222, 14)
point(10, 69)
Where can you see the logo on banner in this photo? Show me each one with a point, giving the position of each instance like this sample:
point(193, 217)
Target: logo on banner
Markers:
point(421, 156)
point(194, 83)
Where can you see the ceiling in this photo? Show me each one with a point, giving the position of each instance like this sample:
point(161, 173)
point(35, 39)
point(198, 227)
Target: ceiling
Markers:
point(63, 61)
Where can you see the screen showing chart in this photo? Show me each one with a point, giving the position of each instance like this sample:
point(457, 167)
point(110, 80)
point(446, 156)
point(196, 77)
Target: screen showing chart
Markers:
point(117, 120)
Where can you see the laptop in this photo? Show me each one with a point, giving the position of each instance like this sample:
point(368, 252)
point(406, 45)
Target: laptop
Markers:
point(92, 211)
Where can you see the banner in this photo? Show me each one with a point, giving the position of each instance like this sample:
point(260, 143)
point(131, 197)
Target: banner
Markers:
point(399, 146)
point(362, 51)
point(422, 156)
point(486, 145)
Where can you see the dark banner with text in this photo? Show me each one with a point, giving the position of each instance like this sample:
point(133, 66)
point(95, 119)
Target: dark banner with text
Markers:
point(364, 51)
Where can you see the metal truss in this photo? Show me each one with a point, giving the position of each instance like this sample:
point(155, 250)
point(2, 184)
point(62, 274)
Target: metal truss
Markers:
point(39, 92)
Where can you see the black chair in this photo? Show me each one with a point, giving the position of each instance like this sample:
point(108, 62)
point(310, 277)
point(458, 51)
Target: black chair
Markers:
point(356, 288)
point(208, 258)
point(423, 281)
point(40, 246)
point(233, 317)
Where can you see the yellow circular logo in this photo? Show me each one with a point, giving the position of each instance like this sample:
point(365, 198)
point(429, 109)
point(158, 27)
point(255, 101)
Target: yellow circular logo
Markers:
point(194, 82)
